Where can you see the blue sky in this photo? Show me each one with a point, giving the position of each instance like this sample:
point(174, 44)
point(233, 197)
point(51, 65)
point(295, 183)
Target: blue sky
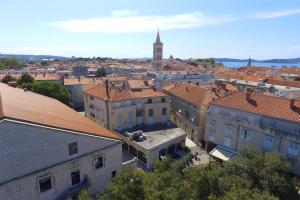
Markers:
point(259, 29)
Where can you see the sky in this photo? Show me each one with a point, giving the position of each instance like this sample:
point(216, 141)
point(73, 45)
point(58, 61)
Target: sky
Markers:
point(260, 29)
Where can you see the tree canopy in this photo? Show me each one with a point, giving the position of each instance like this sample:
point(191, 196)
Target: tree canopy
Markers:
point(25, 78)
point(8, 78)
point(9, 63)
point(248, 176)
point(50, 89)
point(100, 72)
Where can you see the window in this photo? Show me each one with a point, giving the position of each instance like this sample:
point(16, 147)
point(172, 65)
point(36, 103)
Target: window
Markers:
point(164, 111)
point(75, 176)
point(227, 141)
point(99, 162)
point(293, 149)
point(45, 184)
point(216, 111)
point(139, 102)
point(251, 119)
point(73, 149)
point(113, 174)
point(163, 100)
point(149, 101)
point(128, 103)
point(228, 130)
point(268, 142)
point(246, 134)
point(232, 114)
point(212, 135)
point(117, 104)
point(142, 157)
point(130, 118)
point(151, 113)
point(91, 98)
point(139, 112)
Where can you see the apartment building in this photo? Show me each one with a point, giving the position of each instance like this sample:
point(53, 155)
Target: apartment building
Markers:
point(189, 104)
point(77, 85)
point(49, 151)
point(279, 88)
point(265, 122)
point(119, 108)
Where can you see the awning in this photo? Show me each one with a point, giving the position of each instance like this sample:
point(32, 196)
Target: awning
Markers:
point(222, 153)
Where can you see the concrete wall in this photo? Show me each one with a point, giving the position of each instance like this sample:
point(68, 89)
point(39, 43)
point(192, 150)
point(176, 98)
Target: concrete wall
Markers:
point(30, 152)
point(76, 92)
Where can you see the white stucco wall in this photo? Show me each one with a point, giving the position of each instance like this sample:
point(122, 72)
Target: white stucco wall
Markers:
point(29, 152)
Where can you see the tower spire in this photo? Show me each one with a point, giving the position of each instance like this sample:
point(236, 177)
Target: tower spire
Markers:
point(158, 37)
point(249, 62)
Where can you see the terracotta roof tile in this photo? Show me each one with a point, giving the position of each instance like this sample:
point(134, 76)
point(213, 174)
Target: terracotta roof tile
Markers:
point(192, 93)
point(38, 109)
point(261, 104)
point(118, 94)
point(283, 82)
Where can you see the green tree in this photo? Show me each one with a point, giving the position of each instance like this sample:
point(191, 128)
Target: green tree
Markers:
point(51, 89)
point(100, 72)
point(44, 62)
point(126, 186)
point(249, 176)
point(8, 78)
point(246, 194)
point(9, 63)
point(25, 78)
point(267, 172)
point(83, 195)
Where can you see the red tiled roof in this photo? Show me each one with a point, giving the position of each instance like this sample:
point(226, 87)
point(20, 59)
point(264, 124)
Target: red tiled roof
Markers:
point(261, 104)
point(192, 93)
point(253, 69)
point(115, 94)
point(289, 70)
point(283, 82)
point(33, 108)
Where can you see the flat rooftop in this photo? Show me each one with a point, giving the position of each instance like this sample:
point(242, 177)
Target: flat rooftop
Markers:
point(156, 135)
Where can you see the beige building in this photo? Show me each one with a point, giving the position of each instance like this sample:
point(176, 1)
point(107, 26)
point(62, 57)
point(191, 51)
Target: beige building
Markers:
point(189, 104)
point(265, 122)
point(76, 86)
point(49, 151)
point(140, 116)
point(119, 108)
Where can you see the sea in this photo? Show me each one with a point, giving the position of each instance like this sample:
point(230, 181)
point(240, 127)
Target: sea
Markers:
point(259, 64)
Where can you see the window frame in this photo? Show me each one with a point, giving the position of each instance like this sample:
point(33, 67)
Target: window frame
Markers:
point(72, 148)
point(96, 158)
point(44, 178)
point(78, 180)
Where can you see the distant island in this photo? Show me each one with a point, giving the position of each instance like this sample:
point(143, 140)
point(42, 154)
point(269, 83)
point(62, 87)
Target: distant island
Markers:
point(289, 60)
point(39, 58)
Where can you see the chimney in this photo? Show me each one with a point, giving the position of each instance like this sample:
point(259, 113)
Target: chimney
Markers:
point(248, 95)
point(292, 103)
point(106, 87)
